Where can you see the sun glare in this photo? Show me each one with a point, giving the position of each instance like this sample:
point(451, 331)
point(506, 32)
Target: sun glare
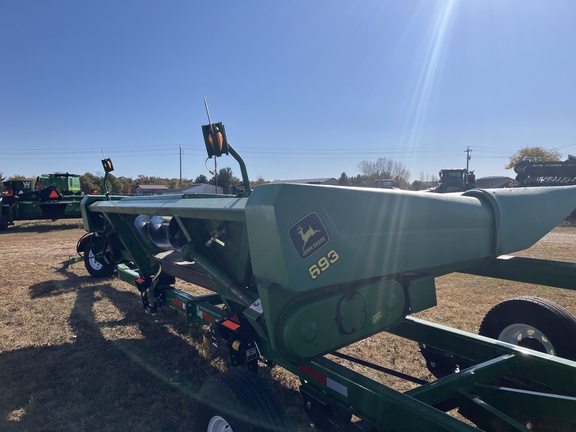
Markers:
point(428, 70)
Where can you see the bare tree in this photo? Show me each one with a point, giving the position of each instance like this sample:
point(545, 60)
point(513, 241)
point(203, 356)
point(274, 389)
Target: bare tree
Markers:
point(384, 168)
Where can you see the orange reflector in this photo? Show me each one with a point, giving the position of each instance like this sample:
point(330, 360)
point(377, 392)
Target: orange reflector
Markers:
point(54, 194)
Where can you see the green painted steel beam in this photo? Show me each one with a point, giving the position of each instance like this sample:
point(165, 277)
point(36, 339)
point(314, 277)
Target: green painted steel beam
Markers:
point(540, 404)
point(194, 308)
point(487, 416)
point(543, 272)
point(467, 379)
point(127, 274)
point(555, 372)
point(386, 408)
point(202, 309)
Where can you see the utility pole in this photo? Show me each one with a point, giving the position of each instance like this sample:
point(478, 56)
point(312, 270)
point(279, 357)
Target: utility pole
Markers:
point(180, 169)
point(468, 152)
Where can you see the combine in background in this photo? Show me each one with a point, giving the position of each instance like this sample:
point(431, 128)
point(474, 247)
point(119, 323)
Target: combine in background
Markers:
point(455, 180)
point(53, 196)
point(532, 173)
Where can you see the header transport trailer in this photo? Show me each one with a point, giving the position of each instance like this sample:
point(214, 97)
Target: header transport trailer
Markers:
point(298, 271)
point(52, 196)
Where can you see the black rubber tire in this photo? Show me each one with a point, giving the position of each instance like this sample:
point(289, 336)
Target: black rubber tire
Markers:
point(534, 323)
point(94, 266)
point(238, 401)
point(3, 223)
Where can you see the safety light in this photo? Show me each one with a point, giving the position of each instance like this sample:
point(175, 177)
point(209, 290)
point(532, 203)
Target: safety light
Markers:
point(107, 164)
point(215, 139)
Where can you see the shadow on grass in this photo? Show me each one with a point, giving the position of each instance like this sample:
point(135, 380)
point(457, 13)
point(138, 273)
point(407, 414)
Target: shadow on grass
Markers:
point(55, 288)
point(147, 382)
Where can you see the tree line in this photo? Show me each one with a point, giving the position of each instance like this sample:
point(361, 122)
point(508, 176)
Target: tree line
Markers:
point(370, 173)
point(91, 183)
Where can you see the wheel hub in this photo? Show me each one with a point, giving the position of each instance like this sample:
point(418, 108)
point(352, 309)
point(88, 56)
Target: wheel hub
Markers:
point(93, 262)
point(218, 424)
point(527, 336)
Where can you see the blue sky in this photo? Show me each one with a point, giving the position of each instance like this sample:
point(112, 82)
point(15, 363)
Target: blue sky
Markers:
point(305, 88)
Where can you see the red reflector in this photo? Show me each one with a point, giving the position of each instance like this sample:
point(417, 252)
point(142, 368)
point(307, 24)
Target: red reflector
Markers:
point(316, 376)
point(231, 325)
point(139, 280)
point(178, 303)
point(207, 317)
point(54, 194)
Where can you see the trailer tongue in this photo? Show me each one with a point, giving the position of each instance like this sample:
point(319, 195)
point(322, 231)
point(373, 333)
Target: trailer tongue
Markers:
point(299, 271)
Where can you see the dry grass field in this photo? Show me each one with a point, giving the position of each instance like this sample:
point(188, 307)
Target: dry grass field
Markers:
point(79, 354)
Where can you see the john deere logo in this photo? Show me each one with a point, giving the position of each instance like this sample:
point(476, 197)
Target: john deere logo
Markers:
point(308, 235)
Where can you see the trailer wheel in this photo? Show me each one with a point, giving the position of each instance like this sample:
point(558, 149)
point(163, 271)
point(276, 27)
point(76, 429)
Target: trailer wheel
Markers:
point(534, 323)
point(95, 267)
point(238, 401)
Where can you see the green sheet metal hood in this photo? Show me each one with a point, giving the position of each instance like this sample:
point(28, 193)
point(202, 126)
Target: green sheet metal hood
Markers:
point(305, 237)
